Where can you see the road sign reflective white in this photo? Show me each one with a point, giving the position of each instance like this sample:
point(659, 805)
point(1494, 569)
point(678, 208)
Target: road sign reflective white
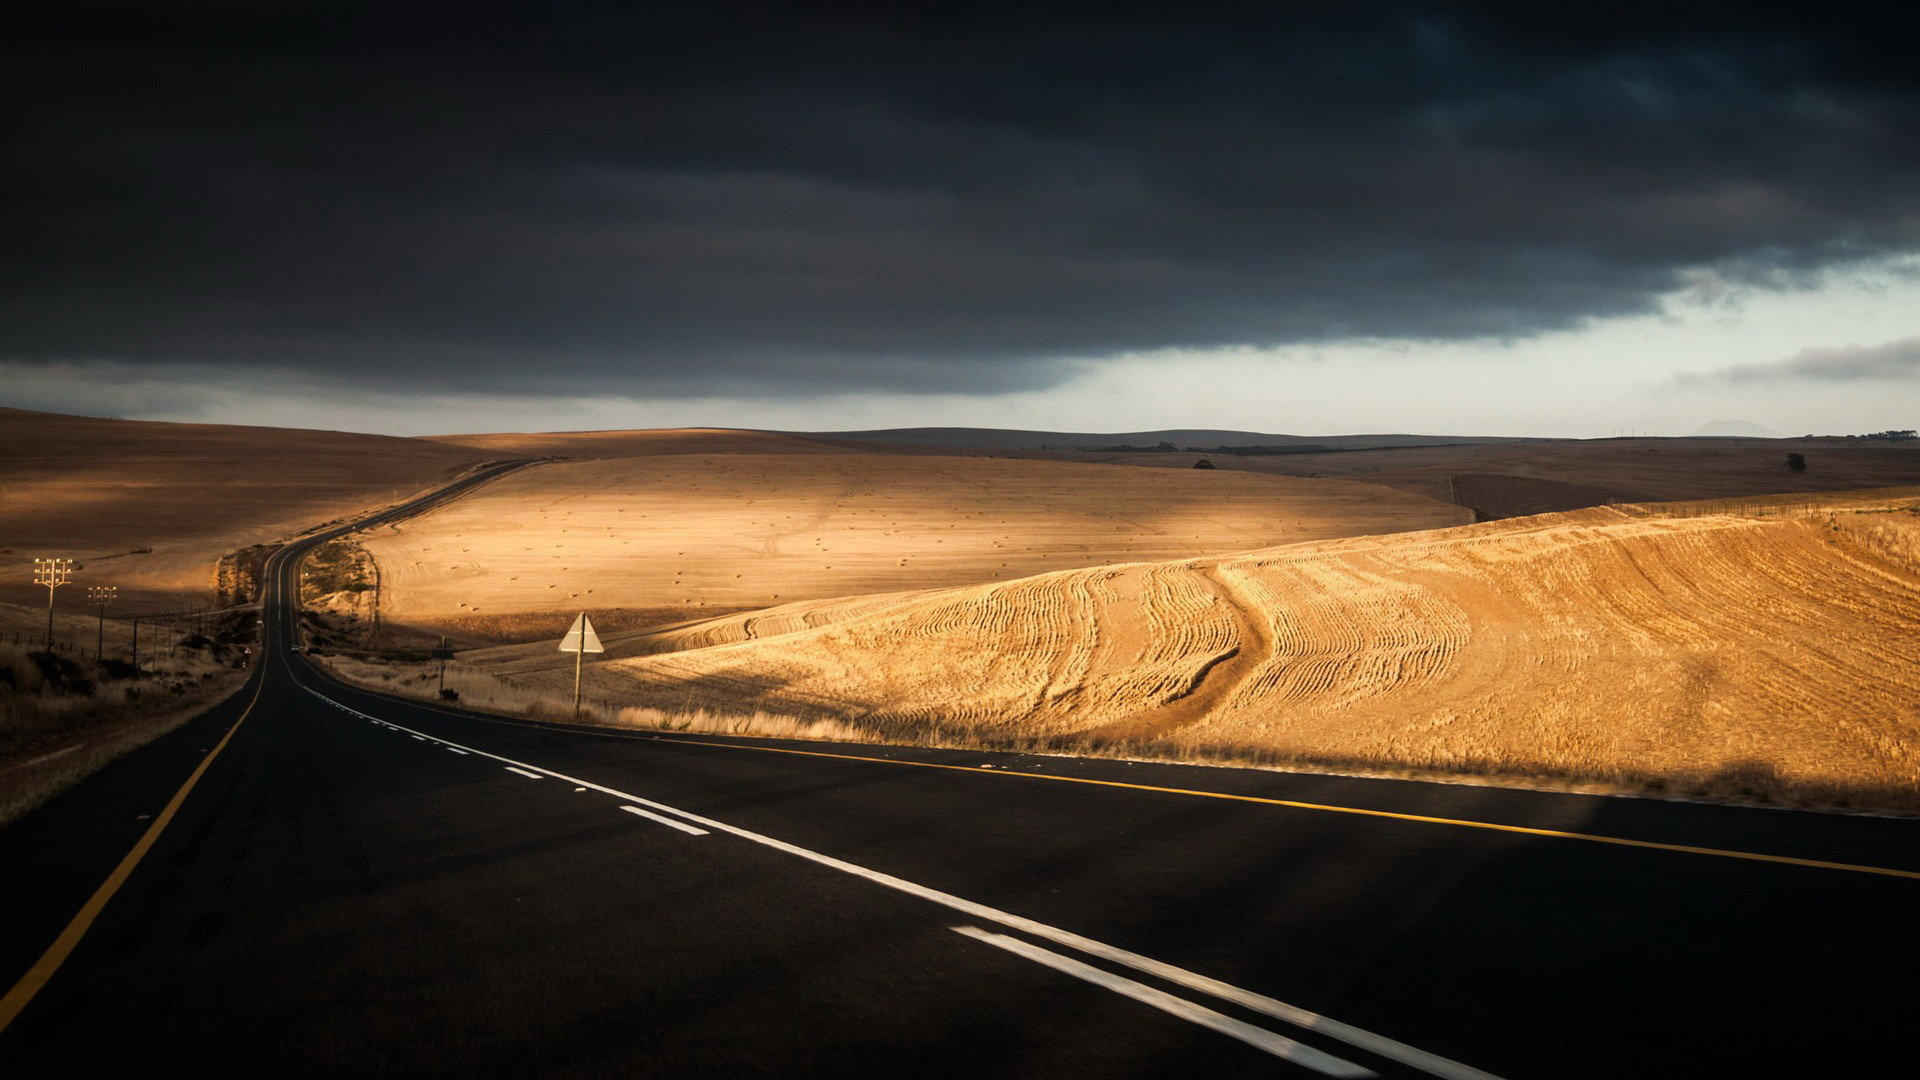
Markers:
point(581, 625)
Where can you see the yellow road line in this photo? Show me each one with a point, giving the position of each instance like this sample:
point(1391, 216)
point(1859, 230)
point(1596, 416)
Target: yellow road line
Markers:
point(1464, 823)
point(36, 977)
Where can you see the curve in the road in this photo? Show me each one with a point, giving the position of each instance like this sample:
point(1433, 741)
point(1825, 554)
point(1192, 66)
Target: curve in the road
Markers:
point(277, 602)
point(357, 873)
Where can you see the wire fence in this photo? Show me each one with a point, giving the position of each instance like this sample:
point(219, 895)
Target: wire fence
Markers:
point(1797, 504)
point(132, 636)
point(118, 646)
point(38, 640)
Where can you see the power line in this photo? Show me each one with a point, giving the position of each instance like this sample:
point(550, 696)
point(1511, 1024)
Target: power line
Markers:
point(101, 595)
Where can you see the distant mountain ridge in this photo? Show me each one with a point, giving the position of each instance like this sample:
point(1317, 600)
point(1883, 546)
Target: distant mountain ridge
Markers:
point(970, 438)
point(1737, 427)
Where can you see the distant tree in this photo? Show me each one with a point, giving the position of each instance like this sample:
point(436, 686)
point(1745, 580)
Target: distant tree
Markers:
point(1203, 463)
point(1797, 462)
point(1163, 446)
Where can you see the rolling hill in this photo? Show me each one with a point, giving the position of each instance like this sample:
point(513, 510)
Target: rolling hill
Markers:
point(665, 538)
point(150, 507)
point(1772, 649)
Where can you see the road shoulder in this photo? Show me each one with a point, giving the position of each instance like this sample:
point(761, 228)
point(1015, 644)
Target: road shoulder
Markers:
point(64, 848)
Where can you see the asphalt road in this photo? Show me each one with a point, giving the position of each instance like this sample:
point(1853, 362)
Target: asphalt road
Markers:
point(359, 884)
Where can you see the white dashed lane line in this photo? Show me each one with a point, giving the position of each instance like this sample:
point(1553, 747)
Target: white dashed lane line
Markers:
point(1271, 1042)
point(667, 821)
point(1258, 1037)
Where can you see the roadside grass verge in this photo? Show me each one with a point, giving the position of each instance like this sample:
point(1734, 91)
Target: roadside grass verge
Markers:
point(1746, 783)
point(480, 692)
point(61, 721)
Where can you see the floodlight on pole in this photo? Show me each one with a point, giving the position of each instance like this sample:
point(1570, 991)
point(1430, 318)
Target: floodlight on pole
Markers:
point(101, 595)
point(52, 573)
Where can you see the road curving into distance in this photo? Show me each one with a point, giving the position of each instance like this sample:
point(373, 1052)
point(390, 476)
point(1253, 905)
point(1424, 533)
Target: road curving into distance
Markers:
point(317, 878)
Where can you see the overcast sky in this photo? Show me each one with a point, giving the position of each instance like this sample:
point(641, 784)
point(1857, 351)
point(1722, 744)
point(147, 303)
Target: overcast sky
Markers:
point(1542, 220)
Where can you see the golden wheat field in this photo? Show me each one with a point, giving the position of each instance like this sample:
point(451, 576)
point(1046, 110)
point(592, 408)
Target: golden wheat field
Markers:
point(1776, 650)
point(681, 536)
point(150, 507)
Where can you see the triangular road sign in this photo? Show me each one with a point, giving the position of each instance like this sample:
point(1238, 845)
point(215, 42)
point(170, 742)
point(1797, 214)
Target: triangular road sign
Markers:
point(581, 625)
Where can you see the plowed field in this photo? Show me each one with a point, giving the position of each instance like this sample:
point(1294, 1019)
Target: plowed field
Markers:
point(1515, 477)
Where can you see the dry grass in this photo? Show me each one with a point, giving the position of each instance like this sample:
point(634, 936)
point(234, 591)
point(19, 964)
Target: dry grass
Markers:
point(1893, 536)
point(477, 689)
point(54, 732)
point(685, 536)
point(1775, 654)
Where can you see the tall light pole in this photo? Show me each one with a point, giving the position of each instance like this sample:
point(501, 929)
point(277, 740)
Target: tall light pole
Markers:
point(101, 595)
point(52, 573)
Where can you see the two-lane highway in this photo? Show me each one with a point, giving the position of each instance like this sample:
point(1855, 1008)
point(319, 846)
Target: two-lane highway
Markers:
point(356, 883)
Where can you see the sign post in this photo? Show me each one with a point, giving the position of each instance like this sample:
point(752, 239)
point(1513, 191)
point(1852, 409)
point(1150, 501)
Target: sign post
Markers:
point(580, 641)
point(443, 654)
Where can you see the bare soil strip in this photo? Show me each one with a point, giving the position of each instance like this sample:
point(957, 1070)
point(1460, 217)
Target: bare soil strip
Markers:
point(1216, 680)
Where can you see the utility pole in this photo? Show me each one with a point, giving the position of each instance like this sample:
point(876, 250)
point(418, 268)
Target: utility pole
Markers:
point(101, 595)
point(52, 573)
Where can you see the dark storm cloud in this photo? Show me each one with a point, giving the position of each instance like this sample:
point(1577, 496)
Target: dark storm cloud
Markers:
point(745, 204)
point(1895, 360)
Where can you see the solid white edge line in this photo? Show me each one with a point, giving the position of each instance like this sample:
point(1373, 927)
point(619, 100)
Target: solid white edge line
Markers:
point(1412, 1056)
point(667, 821)
point(1258, 1037)
point(525, 773)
